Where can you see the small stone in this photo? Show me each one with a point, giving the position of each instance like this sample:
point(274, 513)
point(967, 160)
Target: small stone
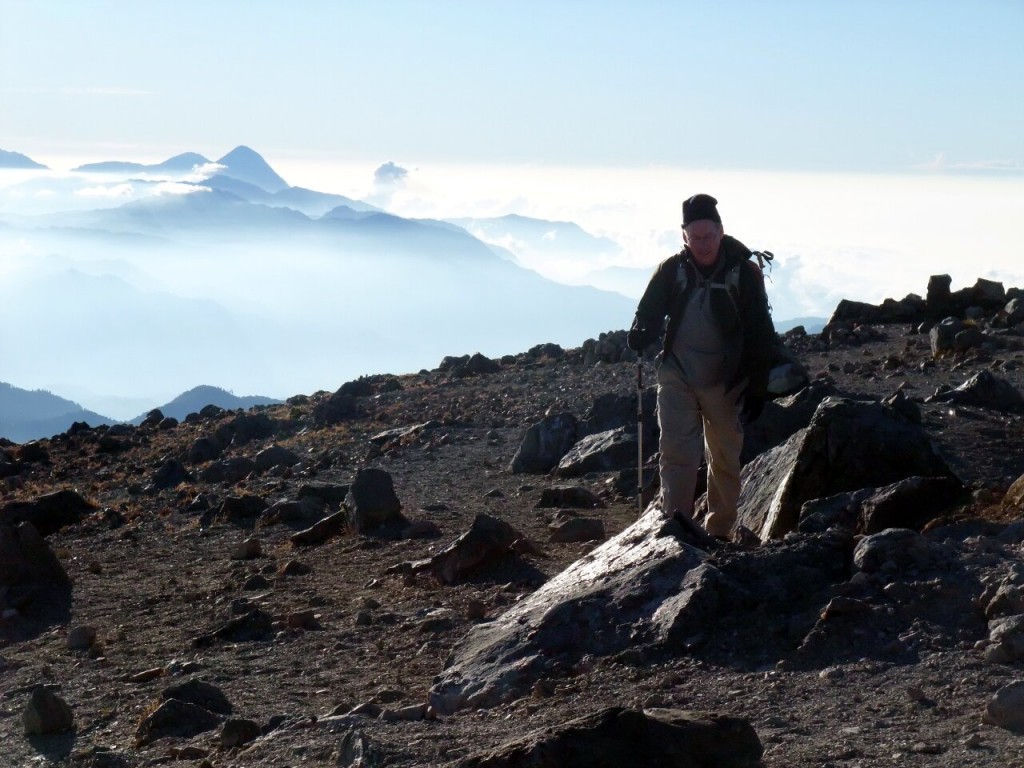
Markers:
point(476, 610)
point(146, 675)
point(46, 713)
point(81, 638)
point(914, 693)
point(302, 620)
point(237, 732)
point(295, 568)
point(249, 549)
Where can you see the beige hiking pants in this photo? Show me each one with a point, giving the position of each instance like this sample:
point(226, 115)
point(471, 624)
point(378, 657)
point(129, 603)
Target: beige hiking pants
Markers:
point(693, 422)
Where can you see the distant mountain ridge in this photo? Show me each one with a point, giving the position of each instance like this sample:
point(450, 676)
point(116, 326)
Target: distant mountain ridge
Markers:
point(32, 414)
point(317, 288)
point(27, 415)
point(16, 160)
point(197, 398)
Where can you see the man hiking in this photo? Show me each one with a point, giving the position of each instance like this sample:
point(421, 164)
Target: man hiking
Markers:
point(714, 364)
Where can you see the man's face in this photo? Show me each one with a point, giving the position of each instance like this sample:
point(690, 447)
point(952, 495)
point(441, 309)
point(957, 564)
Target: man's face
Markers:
point(703, 237)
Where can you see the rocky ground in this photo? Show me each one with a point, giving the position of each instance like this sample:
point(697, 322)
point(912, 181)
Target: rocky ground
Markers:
point(341, 670)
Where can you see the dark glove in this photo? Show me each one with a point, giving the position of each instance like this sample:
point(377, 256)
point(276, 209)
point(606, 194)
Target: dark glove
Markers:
point(752, 407)
point(635, 339)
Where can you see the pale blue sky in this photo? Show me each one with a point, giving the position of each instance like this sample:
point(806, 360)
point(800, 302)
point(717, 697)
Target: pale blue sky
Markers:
point(793, 85)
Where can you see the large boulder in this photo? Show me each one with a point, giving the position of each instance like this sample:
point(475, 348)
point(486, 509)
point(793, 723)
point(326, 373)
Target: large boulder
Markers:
point(602, 452)
point(25, 557)
point(849, 445)
point(371, 501)
point(545, 443)
point(594, 606)
point(616, 737)
point(48, 513)
point(985, 390)
point(782, 418)
point(909, 503)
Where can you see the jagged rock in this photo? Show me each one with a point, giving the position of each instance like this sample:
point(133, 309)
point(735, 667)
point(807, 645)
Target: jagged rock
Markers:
point(969, 338)
point(904, 406)
point(1006, 708)
point(910, 503)
point(204, 449)
point(276, 456)
point(308, 509)
point(613, 410)
point(942, 337)
point(201, 693)
point(545, 443)
point(616, 737)
point(110, 444)
point(1006, 638)
point(569, 529)
point(421, 529)
point(787, 378)
point(249, 549)
point(598, 605)
point(239, 509)
point(48, 513)
point(46, 713)
point(487, 541)
point(8, 466)
point(228, 471)
point(335, 409)
point(257, 624)
point(33, 453)
point(569, 496)
point(171, 474)
point(237, 732)
point(848, 446)
point(330, 494)
point(603, 452)
point(985, 390)
point(703, 594)
point(81, 638)
point(371, 501)
point(397, 433)
point(322, 530)
point(245, 428)
point(782, 418)
point(175, 718)
point(896, 549)
point(152, 418)
point(987, 293)
point(1014, 310)
point(360, 387)
point(938, 299)
point(1014, 498)
point(26, 558)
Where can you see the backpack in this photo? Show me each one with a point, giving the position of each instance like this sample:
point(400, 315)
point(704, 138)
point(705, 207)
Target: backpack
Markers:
point(731, 280)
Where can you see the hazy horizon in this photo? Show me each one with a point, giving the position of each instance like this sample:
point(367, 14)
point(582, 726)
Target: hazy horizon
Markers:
point(859, 236)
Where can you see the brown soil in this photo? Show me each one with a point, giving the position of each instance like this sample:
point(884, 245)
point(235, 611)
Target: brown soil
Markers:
point(160, 580)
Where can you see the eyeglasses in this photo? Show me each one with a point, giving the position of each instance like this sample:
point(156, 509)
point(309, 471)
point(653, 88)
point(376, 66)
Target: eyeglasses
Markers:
point(706, 238)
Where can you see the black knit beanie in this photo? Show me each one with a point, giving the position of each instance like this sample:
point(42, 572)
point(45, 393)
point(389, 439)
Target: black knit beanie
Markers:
point(700, 207)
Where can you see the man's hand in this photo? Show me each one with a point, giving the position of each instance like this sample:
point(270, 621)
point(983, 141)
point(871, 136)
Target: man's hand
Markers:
point(752, 407)
point(635, 339)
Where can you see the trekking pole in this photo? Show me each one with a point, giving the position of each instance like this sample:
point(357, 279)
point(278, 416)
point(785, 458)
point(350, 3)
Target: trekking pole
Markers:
point(640, 433)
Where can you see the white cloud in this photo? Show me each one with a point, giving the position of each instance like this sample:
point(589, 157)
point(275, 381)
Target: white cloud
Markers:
point(168, 188)
point(122, 190)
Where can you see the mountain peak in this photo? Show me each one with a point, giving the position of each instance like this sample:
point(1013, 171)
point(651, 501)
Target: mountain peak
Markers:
point(247, 165)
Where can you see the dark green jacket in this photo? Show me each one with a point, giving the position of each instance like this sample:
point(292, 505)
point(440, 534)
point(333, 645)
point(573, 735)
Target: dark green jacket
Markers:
point(748, 316)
